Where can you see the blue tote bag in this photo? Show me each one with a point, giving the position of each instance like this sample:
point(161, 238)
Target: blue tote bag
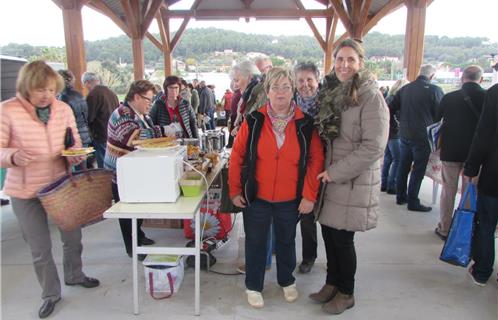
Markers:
point(457, 247)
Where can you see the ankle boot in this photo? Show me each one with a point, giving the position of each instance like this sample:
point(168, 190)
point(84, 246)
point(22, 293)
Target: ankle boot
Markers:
point(326, 293)
point(340, 303)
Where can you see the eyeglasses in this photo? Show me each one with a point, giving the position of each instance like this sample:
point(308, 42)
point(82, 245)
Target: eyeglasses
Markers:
point(280, 89)
point(146, 98)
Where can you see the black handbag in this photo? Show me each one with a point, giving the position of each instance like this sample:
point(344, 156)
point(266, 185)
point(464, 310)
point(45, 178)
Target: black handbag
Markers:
point(226, 205)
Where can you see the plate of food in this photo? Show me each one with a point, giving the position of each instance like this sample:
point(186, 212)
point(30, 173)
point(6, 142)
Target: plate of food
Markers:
point(77, 152)
point(156, 144)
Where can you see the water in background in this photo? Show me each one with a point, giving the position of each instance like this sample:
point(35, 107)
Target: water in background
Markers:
point(221, 81)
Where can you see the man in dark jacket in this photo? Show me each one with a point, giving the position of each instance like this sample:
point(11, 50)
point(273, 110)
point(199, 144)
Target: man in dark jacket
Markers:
point(206, 105)
point(416, 103)
point(101, 103)
point(78, 104)
point(484, 155)
point(460, 111)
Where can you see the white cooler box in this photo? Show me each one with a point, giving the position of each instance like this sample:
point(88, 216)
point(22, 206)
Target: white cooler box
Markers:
point(150, 176)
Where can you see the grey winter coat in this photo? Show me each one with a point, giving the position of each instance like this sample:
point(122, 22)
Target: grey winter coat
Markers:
point(351, 200)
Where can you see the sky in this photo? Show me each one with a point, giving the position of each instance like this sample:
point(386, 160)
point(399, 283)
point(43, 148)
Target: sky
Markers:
point(39, 22)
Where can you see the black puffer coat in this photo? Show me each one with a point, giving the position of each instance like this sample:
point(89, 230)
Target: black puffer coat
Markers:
point(80, 109)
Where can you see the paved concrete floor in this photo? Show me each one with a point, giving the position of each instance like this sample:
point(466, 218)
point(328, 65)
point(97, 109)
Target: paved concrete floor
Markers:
point(399, 277)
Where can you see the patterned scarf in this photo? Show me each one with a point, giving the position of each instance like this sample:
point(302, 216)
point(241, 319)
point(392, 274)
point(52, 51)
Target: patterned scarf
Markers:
point(308, 105)
point(279, 122)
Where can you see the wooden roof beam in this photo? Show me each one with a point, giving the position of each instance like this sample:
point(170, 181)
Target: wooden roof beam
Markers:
point(183, 26)
point(390, 7)
point(165, 38)
point(70, 4)
point(343, 15)
point(150, 14)
point(249, 13)
point(130, 17)
point(312, 25)
point(361, 9)
point(154, 41)
point(100, 6)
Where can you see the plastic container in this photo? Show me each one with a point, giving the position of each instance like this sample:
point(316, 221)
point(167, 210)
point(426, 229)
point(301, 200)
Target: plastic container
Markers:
point(191, 184)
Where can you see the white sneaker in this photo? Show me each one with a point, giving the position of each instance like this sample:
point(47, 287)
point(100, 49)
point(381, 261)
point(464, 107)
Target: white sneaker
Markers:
point(255, 299)
point(290, 293)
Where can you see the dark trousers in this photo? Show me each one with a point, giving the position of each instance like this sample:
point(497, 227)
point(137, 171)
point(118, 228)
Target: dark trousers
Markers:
point(308, 234)
point(416, 152)
point(483, 241)
point(341, 258)
point(257, 220)
point(125, 225)
point(391, 163)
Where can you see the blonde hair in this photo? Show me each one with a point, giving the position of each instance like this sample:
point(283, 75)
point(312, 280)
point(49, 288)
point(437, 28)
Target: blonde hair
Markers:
point(276, 74)
point(398, 85)
point(35, 75)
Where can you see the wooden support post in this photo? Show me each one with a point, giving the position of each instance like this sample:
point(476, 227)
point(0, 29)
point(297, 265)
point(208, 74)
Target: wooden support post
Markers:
point(163, 23)
point(73, 34)
point(168, 63)
point(414, 37)
point(138, 58)
point(329, 43)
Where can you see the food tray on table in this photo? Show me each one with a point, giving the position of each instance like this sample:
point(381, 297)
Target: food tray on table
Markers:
point(156, 144)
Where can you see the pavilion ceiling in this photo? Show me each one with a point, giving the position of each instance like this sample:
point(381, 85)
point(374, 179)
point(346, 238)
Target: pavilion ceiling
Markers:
point(135, 16)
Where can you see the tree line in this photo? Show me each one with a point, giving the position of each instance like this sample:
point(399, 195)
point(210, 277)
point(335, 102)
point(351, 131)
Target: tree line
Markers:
point(199, 44)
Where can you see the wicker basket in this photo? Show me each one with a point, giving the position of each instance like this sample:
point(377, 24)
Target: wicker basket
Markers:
point(78, 199)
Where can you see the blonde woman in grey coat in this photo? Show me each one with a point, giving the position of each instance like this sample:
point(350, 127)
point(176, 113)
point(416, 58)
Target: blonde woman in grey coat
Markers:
point(353, 122)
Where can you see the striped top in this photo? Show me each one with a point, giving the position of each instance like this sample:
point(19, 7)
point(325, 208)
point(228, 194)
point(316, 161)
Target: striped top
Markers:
point(124, 126)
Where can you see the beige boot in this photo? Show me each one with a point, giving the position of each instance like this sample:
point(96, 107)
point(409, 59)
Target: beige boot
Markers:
point(326, 293)
point(340, 303)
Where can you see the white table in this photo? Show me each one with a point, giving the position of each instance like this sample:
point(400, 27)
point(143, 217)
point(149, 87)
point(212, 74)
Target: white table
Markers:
point(183, 208)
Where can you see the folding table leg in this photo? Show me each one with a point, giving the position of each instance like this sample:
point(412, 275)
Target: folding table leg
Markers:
point(197, 262)
point(135, 264)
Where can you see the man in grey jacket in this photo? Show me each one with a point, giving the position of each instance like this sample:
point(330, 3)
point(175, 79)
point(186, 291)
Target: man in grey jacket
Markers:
point(416, 103)
point(206, 105)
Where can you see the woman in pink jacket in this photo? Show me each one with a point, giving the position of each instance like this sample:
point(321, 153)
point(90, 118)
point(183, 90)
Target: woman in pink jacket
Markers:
point(33, 128)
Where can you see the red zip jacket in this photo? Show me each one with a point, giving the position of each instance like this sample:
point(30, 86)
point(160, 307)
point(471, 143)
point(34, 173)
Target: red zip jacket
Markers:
point(277, 170)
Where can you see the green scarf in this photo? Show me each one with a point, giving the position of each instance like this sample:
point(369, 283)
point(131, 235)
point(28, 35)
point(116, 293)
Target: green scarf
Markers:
point(43, 114)
point(334, 98)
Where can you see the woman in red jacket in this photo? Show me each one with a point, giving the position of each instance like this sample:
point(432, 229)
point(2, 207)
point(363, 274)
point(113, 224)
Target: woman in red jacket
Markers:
point(273, 170)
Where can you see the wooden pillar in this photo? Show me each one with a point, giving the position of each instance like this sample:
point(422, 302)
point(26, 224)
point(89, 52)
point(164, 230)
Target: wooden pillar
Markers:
point(168, 63)
point(138, 58)
point(73, 33)
point(414, 37)
point(163, 24)
point(329, 44)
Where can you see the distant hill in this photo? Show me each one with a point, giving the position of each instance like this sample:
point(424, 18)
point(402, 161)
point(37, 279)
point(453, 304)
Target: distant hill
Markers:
point(199, 43)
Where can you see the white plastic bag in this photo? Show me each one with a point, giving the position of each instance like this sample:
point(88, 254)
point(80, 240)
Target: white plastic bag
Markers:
point(163, 275)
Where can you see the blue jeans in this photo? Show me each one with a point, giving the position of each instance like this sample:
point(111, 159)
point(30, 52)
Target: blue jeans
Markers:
point(416, 152)
point(100, 153)
point(270, 246)
point(210, 125)
point(257, 220)
point(391, 163)
point(483, 241)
